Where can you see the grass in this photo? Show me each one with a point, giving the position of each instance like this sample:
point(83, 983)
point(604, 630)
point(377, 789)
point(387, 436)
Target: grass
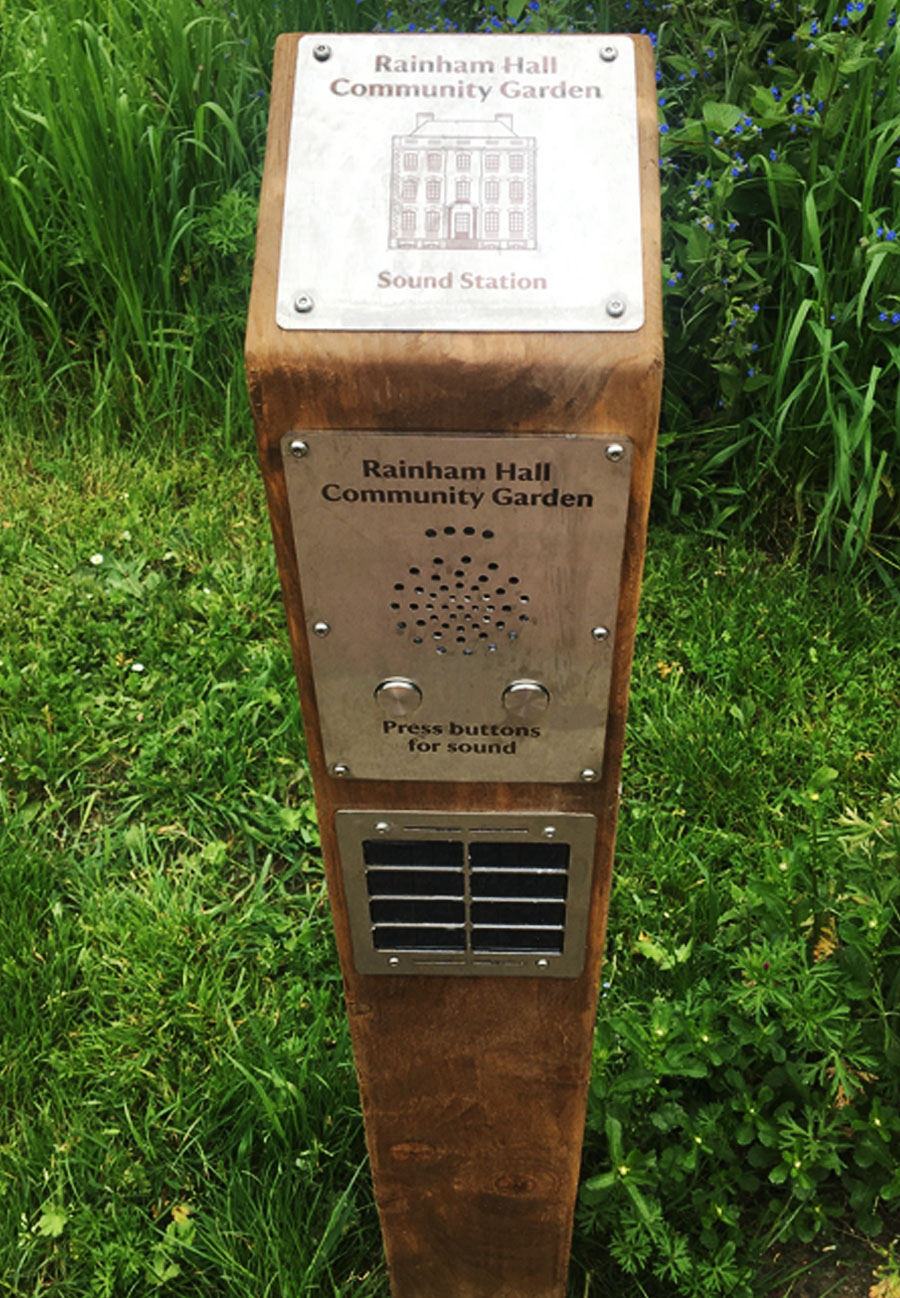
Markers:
point(178, 1109)
point(780, 177)
point(131, 145)
point(163, 905)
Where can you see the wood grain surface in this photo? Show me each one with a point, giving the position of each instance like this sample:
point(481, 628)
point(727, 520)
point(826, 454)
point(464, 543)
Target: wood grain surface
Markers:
point(473, 1089)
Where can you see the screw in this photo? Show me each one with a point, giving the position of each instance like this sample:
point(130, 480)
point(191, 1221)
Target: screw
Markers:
point(549, 831)
point(394, 961)
point(298, 448)
point(615, 451)
point(321, 628)
point(303, 304)
point(322, 53)
point(614, 307)
point(382, 827)
point(340, 771)
point(588, 775)
point(608, 53)
point(600, 633)
point(543, 964)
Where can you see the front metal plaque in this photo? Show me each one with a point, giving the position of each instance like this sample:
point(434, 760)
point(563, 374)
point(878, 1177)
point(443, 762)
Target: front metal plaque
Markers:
point(463, 182)
point(461, 594)
point(490, 893)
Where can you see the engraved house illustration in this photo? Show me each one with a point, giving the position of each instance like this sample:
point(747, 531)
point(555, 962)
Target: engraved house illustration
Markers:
point(463, 184)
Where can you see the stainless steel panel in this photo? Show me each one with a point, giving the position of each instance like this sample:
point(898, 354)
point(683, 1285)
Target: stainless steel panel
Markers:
point(459, 566)
point(463, 182)
point(488, 893)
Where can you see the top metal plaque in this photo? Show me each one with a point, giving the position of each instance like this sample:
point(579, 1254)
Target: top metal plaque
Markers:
point(463, 183)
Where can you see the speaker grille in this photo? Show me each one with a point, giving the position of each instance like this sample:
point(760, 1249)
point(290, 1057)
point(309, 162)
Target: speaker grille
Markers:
point(484, 897)
point(461, 594)
point(467, 893)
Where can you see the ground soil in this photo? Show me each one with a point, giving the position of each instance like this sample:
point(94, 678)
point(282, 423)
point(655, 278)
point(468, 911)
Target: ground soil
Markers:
point(846, 1268)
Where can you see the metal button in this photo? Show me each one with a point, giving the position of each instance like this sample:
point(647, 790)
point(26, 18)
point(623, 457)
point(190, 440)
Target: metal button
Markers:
point(398, 697)
point(526, 700)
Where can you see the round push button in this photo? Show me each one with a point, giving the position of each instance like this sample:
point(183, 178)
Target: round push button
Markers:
point(398, 697)
point(526, 700)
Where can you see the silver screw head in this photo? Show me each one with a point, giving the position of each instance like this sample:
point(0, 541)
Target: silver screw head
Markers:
point(321, 53)
point(321, 629)
point(588, 775)
point(549, 831)
point(393, 961)
point(608, 53)
point(614, 307)
point(382, 826)
point(340, 771)
point(600, 633)
point(299, 448)
point(543, 964)
point(615, 451)
point(303, 303)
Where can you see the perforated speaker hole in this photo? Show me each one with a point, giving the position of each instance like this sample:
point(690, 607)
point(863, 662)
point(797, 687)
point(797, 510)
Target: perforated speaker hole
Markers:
point(474, 600)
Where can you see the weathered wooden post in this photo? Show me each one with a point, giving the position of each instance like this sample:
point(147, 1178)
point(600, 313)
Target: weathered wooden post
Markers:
point(454, 361)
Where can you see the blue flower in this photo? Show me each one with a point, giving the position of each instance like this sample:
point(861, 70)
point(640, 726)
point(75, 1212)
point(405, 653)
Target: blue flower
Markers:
point(663, 128)
point(773, 155)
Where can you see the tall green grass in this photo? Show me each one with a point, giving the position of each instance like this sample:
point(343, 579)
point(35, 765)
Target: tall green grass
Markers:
point(131, 143)
point(781, 176)
point(131, 140)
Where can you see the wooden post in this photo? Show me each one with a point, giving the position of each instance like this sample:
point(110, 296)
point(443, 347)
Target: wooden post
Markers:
point(473, 1069)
